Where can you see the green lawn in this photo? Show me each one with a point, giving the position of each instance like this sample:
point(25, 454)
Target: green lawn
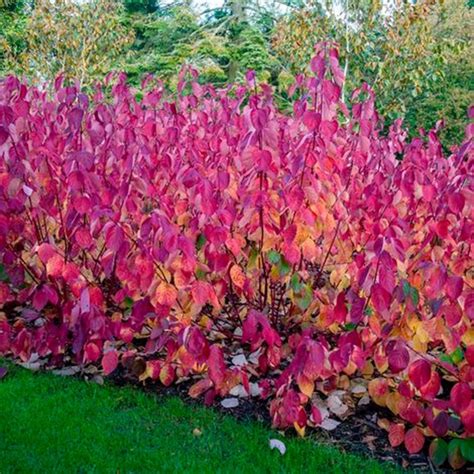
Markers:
point(53, 424)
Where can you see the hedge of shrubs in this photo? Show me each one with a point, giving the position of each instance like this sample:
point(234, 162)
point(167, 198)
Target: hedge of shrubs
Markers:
point(317, 260)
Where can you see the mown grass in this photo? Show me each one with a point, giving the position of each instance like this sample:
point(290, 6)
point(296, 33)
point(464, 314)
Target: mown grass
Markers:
point(50, 424)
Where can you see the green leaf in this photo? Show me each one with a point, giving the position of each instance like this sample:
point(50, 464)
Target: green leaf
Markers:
point(201, 240)
point(284, 267)
point(415, 296)
point(457, 356)
point(369, 311)
point(350, 326)
point(410, 291)
point(438, 451)
point(200, 274)
point(295, 283)
point(455, 457)
point(3, 274)
point(253, 258)
point(128, 302)
point(446, 358)
point(467, 449)
point(274, 257)
point(304, 300)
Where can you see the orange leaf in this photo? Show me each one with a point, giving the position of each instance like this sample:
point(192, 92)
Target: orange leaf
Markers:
point(166, 294)
point(237, 276)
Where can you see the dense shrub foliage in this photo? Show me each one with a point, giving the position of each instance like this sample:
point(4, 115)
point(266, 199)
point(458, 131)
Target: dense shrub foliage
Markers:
point(304, 259)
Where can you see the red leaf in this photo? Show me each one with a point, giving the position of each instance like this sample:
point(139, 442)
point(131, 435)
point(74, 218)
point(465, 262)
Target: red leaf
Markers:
point(442, 228)
point(114, 238)
point(167, 375)
point(312, 119)
point(216, 365)
point(46, 252)
point(431, 389)
point(153, 369)
point(55, 265)
point(74, 117)
point(414, 440)
point(398, 359)
point(460, 397)
point(396, 434)
point(316, 417)
point(3, 135)
point(82, 204)
point(315, 359)
point(110, 361)
point(454, 286)
point(263, 159)
point(456, 202)
point(467, 418)
point(469, 355)
point(201, 292)
point(340, 310)
point(412, 412)
point(83, 237)
point(419, 373)
point(91, 352)
point(197, 345)
point(381, 298)
point(199, 388)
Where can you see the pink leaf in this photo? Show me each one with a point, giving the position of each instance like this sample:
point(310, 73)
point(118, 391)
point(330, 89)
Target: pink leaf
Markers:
point(110, 361)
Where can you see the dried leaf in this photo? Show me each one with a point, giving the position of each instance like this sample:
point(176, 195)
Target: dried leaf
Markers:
point(277, 444)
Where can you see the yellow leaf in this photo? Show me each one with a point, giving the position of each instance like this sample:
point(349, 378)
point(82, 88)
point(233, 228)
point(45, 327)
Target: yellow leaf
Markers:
point(300, 430)
point(305, 385)
point(393, 402)
point(468, 337)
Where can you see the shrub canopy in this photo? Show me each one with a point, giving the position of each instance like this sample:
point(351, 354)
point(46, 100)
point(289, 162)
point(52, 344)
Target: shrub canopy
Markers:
point(307, 259)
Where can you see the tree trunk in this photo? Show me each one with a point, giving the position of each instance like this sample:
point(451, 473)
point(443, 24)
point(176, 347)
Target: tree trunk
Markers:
point(237, 8)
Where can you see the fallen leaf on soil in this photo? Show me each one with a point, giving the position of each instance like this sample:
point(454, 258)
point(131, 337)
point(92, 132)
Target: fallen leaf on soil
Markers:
point(365, 400)
point(239, 360)
point(336, 405)
point(255, 390)
point(238, 391)
point(230, 402)
point(359, 389)
point(329, 424)
point(67, 371)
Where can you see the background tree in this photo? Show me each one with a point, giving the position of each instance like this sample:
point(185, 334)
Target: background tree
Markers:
point(79, 39)
point(13, 41)
point(223, 42)
point(168, 37)
point(402, 49)
point(450, 97)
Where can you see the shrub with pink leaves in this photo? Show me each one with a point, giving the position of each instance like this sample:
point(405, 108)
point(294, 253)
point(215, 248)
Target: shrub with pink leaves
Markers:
point(315, 260)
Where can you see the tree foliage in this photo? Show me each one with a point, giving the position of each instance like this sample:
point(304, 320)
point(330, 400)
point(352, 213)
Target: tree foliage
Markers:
point(407, 51)
point(79, 40)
